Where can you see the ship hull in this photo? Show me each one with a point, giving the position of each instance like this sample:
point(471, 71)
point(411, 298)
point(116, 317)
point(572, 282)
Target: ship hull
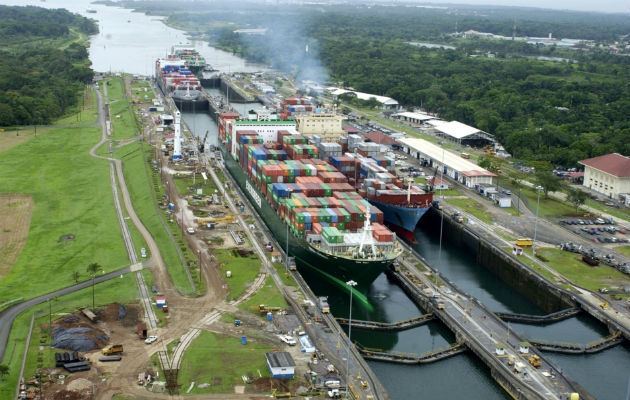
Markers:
point(336, 269)
point(403, 217)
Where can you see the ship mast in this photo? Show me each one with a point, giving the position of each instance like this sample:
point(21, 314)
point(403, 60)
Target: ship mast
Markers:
point(409, 192)
point(366, 236)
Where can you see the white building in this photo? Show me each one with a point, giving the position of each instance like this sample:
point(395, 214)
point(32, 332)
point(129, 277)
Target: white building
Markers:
point(445, 162)
point(413, 118)
point(326, 125)
point(387, 102)
point(461, 134)
point(280, 364)
point(608, 174)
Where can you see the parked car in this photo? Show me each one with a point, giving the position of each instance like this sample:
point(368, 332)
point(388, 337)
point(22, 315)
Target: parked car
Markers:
point(150, 339)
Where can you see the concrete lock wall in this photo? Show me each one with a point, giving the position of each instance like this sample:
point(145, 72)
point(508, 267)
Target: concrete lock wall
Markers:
point(513, 272)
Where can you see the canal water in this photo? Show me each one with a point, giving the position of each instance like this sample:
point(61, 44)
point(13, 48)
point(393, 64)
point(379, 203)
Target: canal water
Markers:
point(130, 42)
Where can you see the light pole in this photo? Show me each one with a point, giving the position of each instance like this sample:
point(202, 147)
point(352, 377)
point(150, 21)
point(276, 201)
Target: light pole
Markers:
point(352, 284)
point(538, 189)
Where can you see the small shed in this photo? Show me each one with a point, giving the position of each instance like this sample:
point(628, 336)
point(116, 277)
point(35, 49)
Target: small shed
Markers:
point(504, 201)
point(523, 347)
point(160, 301)
point(437, 183)
point(499, 349)
point(517, 250)
point(280, 364)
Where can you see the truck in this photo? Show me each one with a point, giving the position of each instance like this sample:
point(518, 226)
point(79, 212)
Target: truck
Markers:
point(112, 349)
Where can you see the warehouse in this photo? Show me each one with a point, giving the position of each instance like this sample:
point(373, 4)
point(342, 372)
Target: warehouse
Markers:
point(412, 117)
point(387, 103)
point(280, 364)
point(461, 134)
point(445, 162)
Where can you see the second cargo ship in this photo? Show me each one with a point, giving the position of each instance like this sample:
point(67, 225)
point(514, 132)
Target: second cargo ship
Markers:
point(333, 229)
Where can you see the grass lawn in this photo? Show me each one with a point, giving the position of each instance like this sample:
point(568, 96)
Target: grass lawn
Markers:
point(286, 278)
point(449, 192)
point(72, 196)
point(573, 268)
point(550, 207)
point(512, 210)
point(184, 183)
point(268, 295)
point(616, 212)
point(121, 290)
point(86, 111)
point(142, 191)
point(124, 122)
point(244, 270)
point(472, 207)
point(221, 361)
point(624, 250)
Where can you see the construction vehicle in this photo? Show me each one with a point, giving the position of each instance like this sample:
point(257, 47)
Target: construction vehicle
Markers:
point(534, 360)
point(202, 144)
point(113, 349)
point(489, 150)
point(604, 306)
point(228, 219)
point(265, 309)
point(323, 304)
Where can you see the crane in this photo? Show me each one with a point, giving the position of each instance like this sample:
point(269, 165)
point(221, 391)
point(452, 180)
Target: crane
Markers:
point(202, 145)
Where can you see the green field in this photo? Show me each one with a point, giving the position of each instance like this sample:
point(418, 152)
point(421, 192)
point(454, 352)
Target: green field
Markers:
point(244, 270)
point(624, 250)
point(472, 207)
point(142, 192)
point(574, 269)
point(221, 361)
point(120, 290)
point(124, 122)
point(72, 196)
point(268, 295)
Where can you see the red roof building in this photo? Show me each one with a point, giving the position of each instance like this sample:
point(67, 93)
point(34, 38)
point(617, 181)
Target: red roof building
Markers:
point(380, 138)
point(608, 174)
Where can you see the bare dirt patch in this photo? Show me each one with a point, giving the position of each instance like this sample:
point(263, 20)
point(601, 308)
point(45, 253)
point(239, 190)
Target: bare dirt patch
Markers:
point(15, 219)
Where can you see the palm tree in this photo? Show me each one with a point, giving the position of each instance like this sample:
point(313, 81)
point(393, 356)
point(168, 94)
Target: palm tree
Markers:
point(93, 269)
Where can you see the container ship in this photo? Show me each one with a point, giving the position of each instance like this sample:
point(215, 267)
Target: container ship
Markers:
point(194, 61)
point(333, 230)
point(376, 180)
point(176, 80)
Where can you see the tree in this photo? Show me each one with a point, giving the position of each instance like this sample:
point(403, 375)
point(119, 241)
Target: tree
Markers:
point(4, 371)
point(75, 276)
point(576, 197)
point(548, 181)
point(93, 269)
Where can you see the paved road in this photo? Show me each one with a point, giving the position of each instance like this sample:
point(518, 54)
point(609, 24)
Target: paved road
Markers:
point(8, 315)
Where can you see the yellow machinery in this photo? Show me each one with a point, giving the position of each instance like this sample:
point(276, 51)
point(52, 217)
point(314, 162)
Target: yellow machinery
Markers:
point(228, 219)
point(265, 309)
point(604, 306)
point(523, 242)
point(534, 360)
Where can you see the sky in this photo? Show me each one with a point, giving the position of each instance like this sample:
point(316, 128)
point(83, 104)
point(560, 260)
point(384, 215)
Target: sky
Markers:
point(607, 6)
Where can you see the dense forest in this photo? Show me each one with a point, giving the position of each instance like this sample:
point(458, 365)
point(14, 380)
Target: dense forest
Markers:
point(559, 111)
point(38, 80)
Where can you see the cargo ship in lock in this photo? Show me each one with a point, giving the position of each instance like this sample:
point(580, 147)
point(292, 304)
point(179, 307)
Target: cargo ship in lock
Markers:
point(334, 231)
point(175, 76)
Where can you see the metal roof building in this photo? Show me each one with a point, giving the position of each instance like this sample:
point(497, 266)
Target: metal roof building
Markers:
point(461, 133)
point(452, 165)
point(387, 102)
point(280, 364)
point(413, 117)
point(608, 174)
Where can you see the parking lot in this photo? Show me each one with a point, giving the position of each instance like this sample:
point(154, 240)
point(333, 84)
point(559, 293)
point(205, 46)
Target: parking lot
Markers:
point(602, 230)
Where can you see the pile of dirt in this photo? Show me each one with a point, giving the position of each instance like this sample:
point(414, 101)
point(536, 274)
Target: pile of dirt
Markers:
point(127, 316)
point(71, 395)
point(79, 338)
